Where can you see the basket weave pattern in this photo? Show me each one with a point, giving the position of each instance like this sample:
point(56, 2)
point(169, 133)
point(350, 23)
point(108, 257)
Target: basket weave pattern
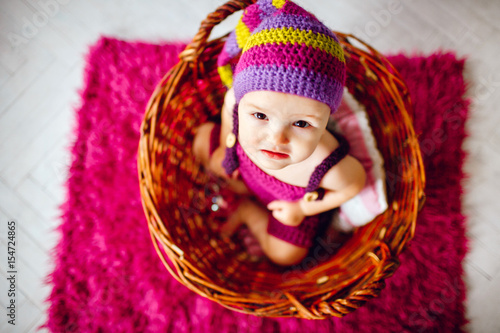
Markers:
point(175, 189)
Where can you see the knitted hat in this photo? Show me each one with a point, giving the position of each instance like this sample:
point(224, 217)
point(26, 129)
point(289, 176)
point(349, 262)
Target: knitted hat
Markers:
point(281, 48)
point(285, 49)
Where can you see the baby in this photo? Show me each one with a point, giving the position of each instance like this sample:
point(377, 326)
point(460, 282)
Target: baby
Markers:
point(273, 140)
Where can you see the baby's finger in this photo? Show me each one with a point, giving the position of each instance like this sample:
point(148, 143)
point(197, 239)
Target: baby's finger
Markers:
point(274, 205)
point(278, 215)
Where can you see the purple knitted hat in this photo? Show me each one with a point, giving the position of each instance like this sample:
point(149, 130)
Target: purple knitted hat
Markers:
point(285, 49)
point(282, 48)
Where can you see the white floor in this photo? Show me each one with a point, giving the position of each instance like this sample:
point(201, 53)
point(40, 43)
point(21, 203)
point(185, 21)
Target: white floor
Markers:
point(42, 48)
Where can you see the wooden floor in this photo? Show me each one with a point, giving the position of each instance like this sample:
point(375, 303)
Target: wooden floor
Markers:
point(42, 48)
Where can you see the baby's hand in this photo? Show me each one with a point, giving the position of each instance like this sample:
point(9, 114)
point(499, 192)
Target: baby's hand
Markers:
point(288, 213)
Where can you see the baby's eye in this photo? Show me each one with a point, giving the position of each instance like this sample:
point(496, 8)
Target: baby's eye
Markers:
point(301, 123)
point(260, 116)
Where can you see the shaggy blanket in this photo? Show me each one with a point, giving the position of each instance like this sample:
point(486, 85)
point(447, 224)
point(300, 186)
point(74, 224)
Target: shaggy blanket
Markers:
point(108, 277)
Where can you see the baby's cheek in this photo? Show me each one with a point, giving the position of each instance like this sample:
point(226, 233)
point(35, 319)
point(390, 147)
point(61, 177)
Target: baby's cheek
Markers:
point(245, 140)
point(249, 137)
point(304, 148)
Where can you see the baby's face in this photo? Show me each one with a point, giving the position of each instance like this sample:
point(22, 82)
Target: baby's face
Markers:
point(278, 129)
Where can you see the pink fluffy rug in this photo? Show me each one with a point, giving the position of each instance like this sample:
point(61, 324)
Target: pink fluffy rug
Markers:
point(108, 277)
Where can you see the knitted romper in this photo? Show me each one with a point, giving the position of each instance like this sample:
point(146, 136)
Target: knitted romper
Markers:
point(267, 188)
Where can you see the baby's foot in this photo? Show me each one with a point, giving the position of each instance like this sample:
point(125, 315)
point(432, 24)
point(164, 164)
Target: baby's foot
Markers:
point(251, 243)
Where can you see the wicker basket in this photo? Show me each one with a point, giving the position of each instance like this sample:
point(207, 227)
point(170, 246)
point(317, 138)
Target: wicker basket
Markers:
point(175, 192)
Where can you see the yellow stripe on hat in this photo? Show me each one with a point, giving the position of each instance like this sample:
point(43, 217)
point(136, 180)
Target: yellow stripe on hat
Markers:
point(294, 36)
point(242, 33)
point(278, 3)
point(226, 75)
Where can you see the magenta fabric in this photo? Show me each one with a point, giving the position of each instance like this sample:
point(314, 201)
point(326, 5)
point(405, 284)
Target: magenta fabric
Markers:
point(272, 56)
point(253, 17)
point(108, 277)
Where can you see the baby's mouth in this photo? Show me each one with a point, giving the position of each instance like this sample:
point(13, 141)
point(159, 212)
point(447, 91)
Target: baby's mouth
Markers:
point(274, 155)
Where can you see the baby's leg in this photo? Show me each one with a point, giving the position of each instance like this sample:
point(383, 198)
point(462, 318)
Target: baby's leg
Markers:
point(256, 218)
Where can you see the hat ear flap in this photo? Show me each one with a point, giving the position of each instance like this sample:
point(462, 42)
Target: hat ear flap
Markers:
point(231, 162)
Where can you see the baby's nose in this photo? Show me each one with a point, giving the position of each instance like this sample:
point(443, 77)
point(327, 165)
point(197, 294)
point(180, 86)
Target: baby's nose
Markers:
point(279, 136)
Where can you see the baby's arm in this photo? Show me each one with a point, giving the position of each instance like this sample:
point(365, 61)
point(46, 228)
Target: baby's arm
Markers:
point(341, 183)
